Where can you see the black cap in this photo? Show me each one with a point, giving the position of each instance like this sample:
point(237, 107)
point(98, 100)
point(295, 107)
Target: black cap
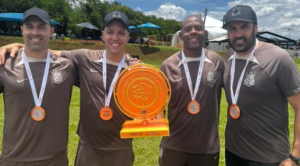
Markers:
point(116, 15)
point(239, 13)
point(42, 14)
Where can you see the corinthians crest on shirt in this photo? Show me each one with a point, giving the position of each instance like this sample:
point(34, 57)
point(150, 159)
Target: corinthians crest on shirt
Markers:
point(210, 76)
point(250, 79)
point(57, 76)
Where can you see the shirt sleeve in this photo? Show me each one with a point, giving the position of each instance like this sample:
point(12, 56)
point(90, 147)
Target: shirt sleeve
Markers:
point(287, 75)
point(76, 56)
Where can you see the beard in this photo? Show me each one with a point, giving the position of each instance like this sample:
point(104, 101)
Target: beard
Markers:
point(248, 43)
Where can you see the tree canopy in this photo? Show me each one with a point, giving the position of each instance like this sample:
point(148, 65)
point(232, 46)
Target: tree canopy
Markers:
point(71, 12)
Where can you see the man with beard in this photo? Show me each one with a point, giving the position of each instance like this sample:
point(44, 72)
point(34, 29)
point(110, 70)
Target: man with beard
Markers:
point(100, 119)
point(37, 89)
point(260, 79)
point(195, 76)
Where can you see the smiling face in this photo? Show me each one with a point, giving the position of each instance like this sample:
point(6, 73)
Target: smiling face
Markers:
point(241, 36)
point(192, 33)
point(36, 34)
point(115, 36)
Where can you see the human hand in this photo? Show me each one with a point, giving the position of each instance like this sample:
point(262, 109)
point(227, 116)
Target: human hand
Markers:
point(287, 162)
point(135, 59)
point(160, 116)
point(11, 48)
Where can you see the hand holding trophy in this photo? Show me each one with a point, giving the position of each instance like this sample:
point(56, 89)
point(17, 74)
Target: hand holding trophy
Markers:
point(142, 92)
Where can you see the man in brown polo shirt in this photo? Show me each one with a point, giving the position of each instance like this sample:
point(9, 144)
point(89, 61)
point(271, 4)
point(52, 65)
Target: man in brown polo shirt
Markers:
point(37, 90)
point(260, 79)
point(195, 76)
point(100, 143)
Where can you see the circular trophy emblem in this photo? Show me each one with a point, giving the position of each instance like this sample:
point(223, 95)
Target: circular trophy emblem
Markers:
point(142, 91)
point(38, 113)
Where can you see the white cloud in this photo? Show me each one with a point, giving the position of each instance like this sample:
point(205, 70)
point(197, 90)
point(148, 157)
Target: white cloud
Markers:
point(216, 14)
point(273, 15)
point(265, 11)
point(107, 1)
point(138, 9)
point(169, 11)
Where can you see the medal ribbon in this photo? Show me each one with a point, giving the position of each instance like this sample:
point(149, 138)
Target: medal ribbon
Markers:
point(37, 100)
point(107, 98)
point(188, 76)
point(234, 97)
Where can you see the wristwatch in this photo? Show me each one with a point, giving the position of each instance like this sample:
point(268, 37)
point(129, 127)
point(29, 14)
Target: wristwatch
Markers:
point(295, 159)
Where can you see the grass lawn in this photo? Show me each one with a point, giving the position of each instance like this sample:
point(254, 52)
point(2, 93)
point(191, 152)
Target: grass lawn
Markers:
point(146, 149)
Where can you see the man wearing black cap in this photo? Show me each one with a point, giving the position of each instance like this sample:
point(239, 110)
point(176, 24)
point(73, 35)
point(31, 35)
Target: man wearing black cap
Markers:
point(260, 79)
point(36, 111)
point(100, 118)
point(100, 142)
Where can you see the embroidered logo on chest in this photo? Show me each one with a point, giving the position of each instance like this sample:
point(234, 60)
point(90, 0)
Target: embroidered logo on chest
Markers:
point(210, 76)
point(57, 76)
point(250, 79)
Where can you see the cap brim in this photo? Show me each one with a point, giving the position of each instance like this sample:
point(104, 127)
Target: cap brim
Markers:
point(246, 20)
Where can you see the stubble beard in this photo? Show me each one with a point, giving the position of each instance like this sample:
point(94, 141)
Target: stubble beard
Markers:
point(248, 43)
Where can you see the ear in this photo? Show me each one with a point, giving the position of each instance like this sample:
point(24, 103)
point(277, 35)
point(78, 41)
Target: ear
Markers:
point(128, 36)
point(180, 35)
point(102, 33)
point(22, 29)
point(52, 30)
point(255, 28)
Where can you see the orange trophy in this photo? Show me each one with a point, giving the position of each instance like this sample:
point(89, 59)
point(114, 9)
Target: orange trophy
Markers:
point(142, 92)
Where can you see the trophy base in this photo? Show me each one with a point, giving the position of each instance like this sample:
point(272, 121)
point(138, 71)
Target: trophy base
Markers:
point(145, 128)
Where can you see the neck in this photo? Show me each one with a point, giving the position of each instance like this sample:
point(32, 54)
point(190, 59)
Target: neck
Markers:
point(114, 57)
point(36, 54)
point(193, 53)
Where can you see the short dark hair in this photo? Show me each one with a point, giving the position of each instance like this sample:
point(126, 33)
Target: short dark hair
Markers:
point(193, 15)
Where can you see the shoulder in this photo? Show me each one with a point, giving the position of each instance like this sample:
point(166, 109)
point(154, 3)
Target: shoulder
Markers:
point(269, 53)
point(228, 54)
point(272, 49)
point(173, 59)
point(213, 56)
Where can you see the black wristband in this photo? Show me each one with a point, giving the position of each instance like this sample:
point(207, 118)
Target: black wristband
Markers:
point(295, 159)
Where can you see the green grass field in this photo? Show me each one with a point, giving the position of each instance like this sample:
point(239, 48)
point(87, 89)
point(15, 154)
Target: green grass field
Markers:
point(146, 149)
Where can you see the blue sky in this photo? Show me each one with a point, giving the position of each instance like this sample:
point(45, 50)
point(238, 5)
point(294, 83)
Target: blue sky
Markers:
point(273, 15)
point(190, 5)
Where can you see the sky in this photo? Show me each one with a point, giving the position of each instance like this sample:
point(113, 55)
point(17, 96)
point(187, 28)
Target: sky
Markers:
point(278, 16)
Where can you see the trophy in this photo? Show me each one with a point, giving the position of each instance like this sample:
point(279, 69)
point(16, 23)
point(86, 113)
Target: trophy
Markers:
point(142, 92)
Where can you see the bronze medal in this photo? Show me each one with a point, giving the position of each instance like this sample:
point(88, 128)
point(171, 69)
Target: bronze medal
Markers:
point(194, 107)
point(234, 111)
point(38, 113)
point(106, 113)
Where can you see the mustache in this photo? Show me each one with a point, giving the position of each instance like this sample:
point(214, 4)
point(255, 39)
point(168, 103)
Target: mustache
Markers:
point(239, 38)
